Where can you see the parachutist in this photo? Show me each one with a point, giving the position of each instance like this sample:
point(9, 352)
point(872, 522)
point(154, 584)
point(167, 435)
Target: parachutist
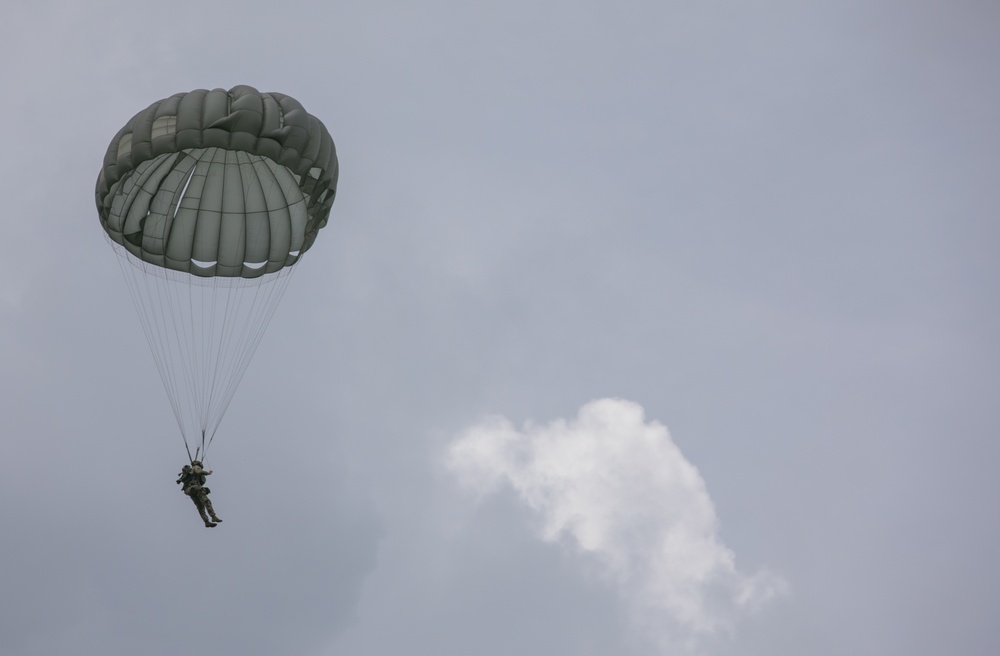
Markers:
point(192, 482)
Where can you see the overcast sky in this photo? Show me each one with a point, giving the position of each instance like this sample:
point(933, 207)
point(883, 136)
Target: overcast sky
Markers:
point(639, 327)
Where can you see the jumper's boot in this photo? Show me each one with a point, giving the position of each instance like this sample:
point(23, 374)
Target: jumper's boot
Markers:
point(211, 510)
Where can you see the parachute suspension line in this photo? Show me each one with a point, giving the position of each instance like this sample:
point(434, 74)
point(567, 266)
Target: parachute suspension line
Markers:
point(180, 378)
point(202, 333)
point(208, 330)
point(183, 336)
point(169, 299)
point(207, 341)
point(222, 349)
point(223, 354)
point(198, 355)
point(166, 363)
point(266, 298)
point(131, 271)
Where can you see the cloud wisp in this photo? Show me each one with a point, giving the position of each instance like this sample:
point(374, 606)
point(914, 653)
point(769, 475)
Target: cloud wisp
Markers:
point(618, 488)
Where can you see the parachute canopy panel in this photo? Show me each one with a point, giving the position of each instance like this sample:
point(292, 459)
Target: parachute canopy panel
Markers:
point(219, 183)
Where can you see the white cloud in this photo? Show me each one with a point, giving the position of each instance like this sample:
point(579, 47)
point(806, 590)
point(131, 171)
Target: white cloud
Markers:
point(619, 488)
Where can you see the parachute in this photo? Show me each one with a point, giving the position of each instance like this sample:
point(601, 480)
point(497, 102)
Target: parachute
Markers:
point(210, 199)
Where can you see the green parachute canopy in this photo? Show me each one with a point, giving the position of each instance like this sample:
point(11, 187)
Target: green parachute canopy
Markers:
point(210, 198)
point(219, 183)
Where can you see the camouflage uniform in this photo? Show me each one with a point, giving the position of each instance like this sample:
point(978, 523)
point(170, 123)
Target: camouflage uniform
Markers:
point(192, 478)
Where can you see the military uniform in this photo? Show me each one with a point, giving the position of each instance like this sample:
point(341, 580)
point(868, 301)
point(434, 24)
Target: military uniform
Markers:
point(192, 479)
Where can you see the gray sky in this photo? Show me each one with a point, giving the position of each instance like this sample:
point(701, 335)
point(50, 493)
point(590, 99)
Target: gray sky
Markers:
point(767, 227)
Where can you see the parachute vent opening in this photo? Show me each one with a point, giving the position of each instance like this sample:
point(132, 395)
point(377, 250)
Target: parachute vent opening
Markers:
point(255, 265)
point(203, 265)
point(294, 253)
